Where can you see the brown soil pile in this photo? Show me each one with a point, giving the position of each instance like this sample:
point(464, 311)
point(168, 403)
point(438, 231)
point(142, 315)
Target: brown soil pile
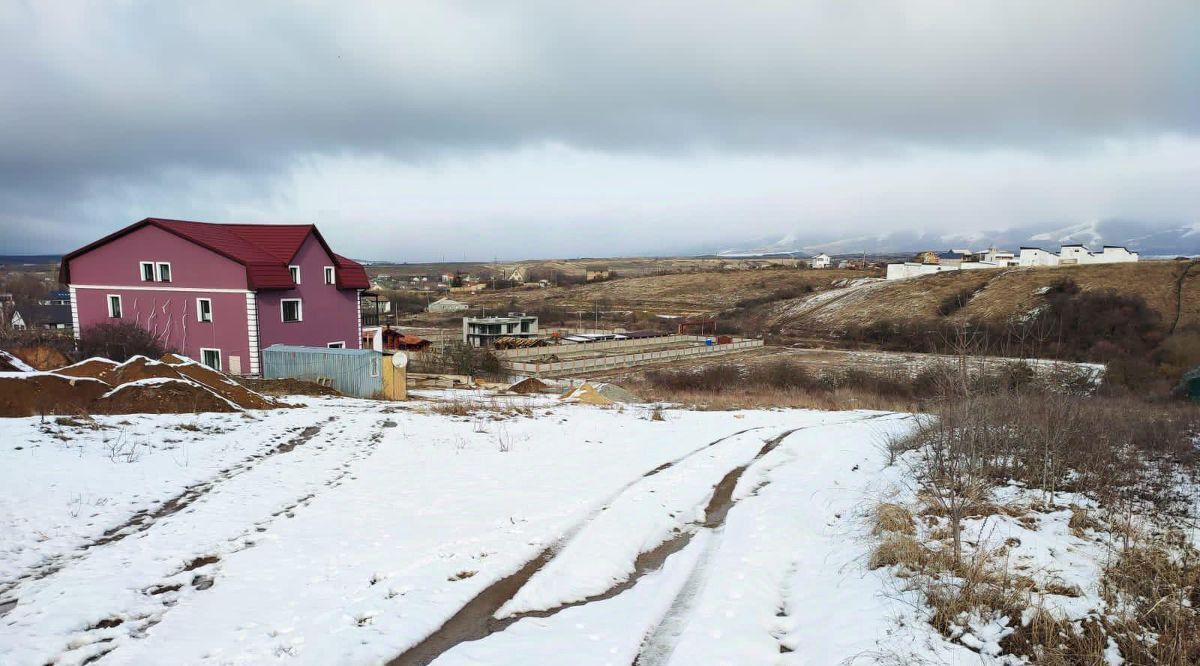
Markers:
point(278, 387)
point(529, 385)
point(48, 394)
point(137, 386)
point(219, 383)
point(178, 396)
point(138, 367)
point(41, 357)
point(92, 367)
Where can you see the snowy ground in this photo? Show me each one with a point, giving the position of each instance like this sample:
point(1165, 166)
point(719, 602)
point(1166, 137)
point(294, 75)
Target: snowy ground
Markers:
point(362, 532)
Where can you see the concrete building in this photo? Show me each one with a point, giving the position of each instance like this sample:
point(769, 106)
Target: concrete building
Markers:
point(1076, 254)
point(446, 305)
point(483, 331)
point(821, 261)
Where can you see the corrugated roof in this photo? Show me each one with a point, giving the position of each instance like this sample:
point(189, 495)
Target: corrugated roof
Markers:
point(264, 249)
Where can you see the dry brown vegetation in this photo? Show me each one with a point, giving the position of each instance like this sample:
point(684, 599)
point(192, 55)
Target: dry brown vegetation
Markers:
point(998, 295)
point(1136, 461)
point(681, 293)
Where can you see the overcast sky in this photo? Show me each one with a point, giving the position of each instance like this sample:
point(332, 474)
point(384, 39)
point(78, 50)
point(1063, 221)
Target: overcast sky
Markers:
point(420, 130)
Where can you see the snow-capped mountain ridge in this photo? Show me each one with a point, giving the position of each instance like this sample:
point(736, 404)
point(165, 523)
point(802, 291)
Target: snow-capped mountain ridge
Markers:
point(1148, 239)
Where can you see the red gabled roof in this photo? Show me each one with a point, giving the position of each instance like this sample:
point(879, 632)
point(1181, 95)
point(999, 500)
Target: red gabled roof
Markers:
point(264, 249)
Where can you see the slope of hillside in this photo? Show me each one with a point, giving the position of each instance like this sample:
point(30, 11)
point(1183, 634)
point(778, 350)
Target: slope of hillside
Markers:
point(999, 295)
point(682, 293)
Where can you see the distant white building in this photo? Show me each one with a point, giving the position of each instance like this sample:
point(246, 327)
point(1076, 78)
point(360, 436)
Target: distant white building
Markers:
point(446, 305)
point(821, 261)
point(910, 269)
point(1076, 254)
point(483, 331)
point(998, 257)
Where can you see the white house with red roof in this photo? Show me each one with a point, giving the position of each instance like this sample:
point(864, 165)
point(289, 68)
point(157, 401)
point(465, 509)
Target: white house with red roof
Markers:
point(219, 293)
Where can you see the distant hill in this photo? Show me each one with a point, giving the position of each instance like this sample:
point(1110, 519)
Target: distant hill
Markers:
point(30, 259)
point(1001, 294)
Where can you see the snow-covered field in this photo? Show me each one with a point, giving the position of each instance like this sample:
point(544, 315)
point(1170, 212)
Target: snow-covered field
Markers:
point(534, 532)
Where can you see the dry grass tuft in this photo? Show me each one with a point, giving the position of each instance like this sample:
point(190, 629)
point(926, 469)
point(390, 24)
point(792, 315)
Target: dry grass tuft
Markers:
point(893, 518)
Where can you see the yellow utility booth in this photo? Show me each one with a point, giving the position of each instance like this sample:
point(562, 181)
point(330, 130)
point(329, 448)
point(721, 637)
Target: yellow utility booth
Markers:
point(395, 375)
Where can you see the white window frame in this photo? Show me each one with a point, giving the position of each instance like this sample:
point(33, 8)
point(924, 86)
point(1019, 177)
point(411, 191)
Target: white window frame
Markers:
point(330, 275)
point(200, 310)
point(108, 299)
point(211, 349)
point(341, 344)
point(299, 310)
point(142, 271)
point(158, 271)
point(294, 271)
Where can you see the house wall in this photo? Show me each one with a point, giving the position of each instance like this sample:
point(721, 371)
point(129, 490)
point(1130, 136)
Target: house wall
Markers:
point(166, 309)
point(171, 316)
point(192, 266)
point(328, 314)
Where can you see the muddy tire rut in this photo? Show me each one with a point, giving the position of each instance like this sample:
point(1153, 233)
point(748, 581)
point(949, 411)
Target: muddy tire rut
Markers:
point(477, 618)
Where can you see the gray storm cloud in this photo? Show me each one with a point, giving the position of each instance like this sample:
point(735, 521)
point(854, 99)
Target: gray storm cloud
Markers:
point(116, 111)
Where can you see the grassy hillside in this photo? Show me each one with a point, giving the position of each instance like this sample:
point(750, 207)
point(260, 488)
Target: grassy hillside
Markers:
point(995, 295)
point(682, 293)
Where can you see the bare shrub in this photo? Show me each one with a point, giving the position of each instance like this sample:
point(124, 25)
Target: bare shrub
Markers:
point(120, 342)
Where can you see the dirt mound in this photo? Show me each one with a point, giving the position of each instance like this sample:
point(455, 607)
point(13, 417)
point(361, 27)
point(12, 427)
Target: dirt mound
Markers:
point(93, 368)
point(44, 393)
point(586, 394)
point(137, 368)
point(40, 357)
point(529, 385)
point(139, 385)
point(161, 395)
point(218, 383)
point(278, 387)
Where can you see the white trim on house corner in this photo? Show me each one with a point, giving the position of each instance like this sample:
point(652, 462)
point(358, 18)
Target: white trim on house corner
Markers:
point(142, 271)
point(161, 288)
point(358, 308)
point(220, 363)
point(341, 344)
point(295, 275)
point(120, 306)
point(200, 311)
point(74, 315)
point(252, 330)
point(330, 276)
point(299, 310)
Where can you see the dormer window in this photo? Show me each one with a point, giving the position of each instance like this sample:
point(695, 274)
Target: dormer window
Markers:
point(329, 275)
point(295, 271)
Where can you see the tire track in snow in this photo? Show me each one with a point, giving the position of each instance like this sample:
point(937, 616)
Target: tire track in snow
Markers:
point(660, 641)
point(476, 619)
point(105, 636)
point(145, 519)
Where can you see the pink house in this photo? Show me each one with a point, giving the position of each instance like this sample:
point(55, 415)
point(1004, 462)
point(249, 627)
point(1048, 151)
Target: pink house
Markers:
point(219, 293)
